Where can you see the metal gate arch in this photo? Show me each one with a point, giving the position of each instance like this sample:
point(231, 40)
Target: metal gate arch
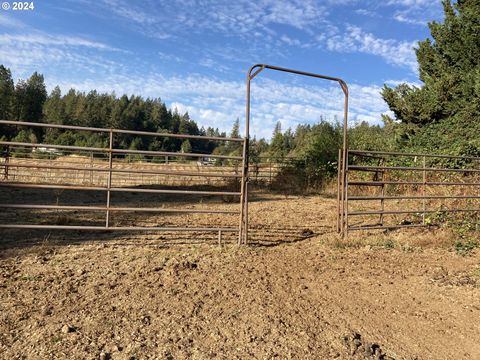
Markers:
point(254, 71)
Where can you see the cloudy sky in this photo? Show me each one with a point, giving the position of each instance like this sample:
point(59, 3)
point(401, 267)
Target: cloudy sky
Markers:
point(194, 54)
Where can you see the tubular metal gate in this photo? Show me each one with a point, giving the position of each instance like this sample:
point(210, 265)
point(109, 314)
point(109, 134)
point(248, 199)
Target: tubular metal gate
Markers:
point(405, 190)
point(109, 156)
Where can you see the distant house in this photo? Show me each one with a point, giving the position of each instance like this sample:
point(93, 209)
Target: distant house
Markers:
point(205, 161)
point(47, 150)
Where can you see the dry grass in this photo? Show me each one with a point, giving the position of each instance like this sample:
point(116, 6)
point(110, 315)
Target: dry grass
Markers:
point(89, 177)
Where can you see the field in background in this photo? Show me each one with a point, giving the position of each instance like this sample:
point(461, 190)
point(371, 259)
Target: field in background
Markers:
point(28, 167)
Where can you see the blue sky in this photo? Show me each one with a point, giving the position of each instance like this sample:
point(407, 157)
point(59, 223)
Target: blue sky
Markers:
point(194, 54)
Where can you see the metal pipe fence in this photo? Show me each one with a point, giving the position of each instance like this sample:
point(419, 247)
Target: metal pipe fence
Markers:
point(111, 154)
point(393, 190)
point(108, 166)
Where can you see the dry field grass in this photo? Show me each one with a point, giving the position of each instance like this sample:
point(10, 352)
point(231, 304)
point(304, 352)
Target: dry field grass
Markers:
point(297, 292)
point(131, 177)
point(91, 177)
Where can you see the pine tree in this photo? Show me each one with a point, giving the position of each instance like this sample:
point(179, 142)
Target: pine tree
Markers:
point(54, 108)
point(7, 94)
point(234, 147)
point(31, 96)
point(186, 147)
point(277, 150)
point(449, 67)
point(235, 133)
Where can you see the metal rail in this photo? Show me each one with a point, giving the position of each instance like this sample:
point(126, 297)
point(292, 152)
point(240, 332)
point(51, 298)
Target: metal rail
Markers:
point(114, 189)
point(117, 131)
point(411, 190)
point(119, 151)
point(407, 168)
point(108, 169)
point(103, 208)
point(366, 153)
point(119, 228)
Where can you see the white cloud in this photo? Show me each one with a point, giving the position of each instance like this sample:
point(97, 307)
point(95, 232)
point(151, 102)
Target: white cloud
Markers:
point(411, 2)
point(218, 103)
point(10, 22)
point(51, 40)
point(240, 18)
point(416, 12)
point(125, 10)
point(405, 17)
point(394, 52)
point(38, 51)
point(260, 29)
point(404, 81)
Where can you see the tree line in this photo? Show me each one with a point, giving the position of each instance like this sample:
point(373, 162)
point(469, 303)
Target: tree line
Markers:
point(27, 100)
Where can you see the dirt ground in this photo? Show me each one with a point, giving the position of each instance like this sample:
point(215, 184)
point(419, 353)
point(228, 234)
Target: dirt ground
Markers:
point(296, 292)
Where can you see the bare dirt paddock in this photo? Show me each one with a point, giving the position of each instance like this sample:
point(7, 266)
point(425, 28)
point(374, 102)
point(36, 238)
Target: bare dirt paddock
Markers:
point(296, 292)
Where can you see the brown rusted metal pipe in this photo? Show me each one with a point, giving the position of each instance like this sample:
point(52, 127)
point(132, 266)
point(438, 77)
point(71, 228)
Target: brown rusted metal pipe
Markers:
point(116, 228)
point(103, 208)
point(99, 188)
point(118, 131)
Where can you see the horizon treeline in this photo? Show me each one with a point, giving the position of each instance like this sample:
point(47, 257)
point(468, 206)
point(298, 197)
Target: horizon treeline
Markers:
point(27, 100)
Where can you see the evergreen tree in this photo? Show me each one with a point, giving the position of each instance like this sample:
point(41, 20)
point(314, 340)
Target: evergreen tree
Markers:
point(7, 94)
point(70, 102)
point(20, 104)
point(234, 147)
point(235, 133)
point(54, 108)
point(277, 150)
point(30, 97)
point(7, 101)
point(186, 147)
point(54, 113)
point(443, 112)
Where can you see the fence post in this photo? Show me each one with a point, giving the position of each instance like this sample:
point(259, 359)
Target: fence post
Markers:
point(346, 196)
point(246, 209)
point(339, 163)
point(342, 193)
point(242, 194)
point(424, 189)
point(382, 202)
point(7, 159)
point(109, 180)
point(91, 167)
point(270, 171)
